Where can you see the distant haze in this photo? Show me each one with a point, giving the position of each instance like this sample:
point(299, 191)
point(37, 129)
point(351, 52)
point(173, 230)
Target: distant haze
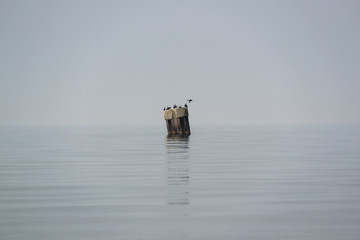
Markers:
point(121, 62)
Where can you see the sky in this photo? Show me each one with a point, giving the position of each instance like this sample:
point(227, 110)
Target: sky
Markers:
point(121, 62)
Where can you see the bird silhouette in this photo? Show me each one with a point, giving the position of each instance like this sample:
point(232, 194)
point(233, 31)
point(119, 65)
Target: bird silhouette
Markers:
point(189, 100)
point(185, 105)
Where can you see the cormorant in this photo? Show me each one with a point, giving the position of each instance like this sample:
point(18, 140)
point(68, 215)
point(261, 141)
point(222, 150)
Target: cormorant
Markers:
point(185, 105)
point(189, 100)
point(174, 106)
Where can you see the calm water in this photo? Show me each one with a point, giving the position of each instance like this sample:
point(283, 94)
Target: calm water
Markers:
point(220, 183)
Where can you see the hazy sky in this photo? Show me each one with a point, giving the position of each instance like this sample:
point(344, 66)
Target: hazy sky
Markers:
point(114, 62)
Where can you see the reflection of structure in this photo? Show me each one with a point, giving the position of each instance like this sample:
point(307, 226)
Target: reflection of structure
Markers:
point(178, 169)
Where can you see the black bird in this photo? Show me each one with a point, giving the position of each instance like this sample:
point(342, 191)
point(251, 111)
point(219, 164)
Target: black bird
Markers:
point(168, 108)
point(185, 105)
point(174, 106)
point(164, 109)
point(189, 100)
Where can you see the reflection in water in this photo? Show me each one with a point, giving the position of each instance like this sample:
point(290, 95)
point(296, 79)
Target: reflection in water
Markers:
point(178, 169)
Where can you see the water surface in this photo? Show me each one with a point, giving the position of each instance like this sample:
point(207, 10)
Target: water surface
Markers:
point(285, 182)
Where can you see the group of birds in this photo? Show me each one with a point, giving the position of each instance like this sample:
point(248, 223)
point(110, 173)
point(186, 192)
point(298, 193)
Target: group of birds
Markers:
point(175, 106)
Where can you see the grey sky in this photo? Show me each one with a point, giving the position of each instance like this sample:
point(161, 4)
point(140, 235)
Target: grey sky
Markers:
point(110, 62)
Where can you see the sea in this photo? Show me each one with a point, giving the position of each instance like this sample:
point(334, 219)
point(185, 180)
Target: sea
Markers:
point(222, 182)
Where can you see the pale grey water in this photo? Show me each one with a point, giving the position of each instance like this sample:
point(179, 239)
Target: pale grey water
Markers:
point(220, 183)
